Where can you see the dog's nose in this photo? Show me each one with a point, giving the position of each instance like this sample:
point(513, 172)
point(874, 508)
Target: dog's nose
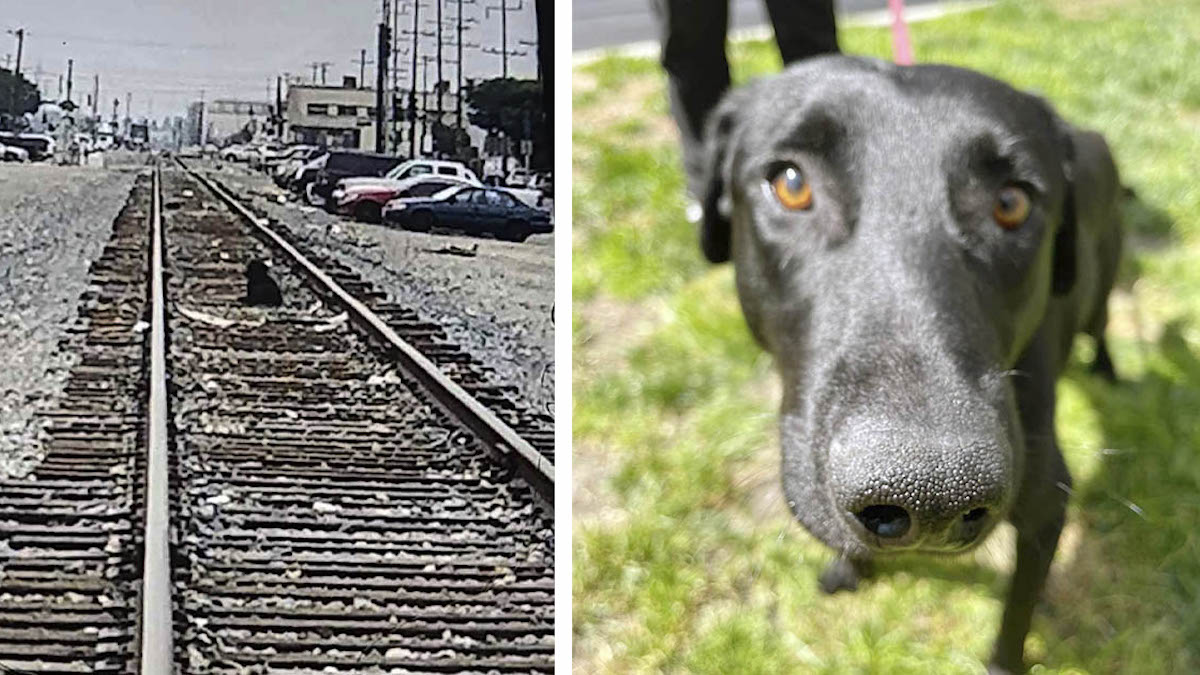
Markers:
point(918, 489)
point(885, 521)
point(896, 525)
point(972, 523)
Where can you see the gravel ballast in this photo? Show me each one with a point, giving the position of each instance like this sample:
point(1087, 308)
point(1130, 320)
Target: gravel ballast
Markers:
point(54, 222)
point(495, 302)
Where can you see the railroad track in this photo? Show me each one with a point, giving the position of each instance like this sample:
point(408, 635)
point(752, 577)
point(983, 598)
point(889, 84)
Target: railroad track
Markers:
point(335, 503)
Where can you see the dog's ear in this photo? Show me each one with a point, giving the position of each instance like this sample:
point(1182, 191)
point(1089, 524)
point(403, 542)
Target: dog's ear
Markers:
point(1065, 240)
point(716, 175)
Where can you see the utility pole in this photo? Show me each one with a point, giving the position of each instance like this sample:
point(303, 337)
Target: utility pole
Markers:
point(545, 54)
point(20, 33)
point(393, 144)
point(412, 92)
point(504, 74)
point(504, 8)
point(14, 102)
point(279, 107)
point(322, 65)
point(439, 63)
point(362, 62)
point(201, 118)
point(458, 90)
point(380, 77)
point(70, 69)
point(95, 93)
point(425, 99)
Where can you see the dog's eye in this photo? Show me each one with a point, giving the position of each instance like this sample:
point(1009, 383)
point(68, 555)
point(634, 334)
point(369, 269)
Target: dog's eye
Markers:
point(791, 189)
point(1012, 207)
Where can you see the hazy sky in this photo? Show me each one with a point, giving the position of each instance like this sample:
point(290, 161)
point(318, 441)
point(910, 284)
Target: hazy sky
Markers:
point(166, 51)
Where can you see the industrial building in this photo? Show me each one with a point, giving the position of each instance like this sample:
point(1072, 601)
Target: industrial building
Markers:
point(345, 117)
point(340, 117)
point(215, 121)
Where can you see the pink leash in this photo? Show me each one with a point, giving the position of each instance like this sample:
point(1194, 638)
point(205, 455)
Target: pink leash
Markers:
point(901, 45)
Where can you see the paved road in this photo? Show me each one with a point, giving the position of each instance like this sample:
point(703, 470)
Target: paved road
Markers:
point(607, 23)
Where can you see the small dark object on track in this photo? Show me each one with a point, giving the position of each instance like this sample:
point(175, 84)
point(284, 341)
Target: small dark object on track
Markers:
point(261, 289)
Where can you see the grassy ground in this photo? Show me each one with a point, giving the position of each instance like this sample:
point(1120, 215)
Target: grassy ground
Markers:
point(685, 559)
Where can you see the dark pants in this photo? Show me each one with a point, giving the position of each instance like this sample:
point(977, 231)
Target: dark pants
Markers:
point(693, 54)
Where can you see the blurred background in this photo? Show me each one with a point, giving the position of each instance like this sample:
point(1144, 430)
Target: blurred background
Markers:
point(598, 24)
point(685, 558)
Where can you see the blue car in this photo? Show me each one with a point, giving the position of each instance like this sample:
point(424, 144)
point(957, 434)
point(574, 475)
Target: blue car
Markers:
point(471, 209)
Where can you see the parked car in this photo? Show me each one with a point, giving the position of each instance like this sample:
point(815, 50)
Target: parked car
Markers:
point(290, 154)
point(284, 168)
point(542, 180)
point(104, 141)
point(413, 168)
point(474, 210)
point(259, 155)
point(365, 198)
point(439, 167)
point(305, 174)
point(517, 177)
point(83, 141)
point(39, 146)
point(345, 164)
point(234, 153)
point(11, 153)
point(535, 188)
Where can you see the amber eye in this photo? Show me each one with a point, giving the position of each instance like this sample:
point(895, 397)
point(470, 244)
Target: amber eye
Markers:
point(1012, 207)
point(791, 189)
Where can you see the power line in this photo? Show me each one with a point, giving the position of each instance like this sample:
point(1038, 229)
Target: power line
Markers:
point(147, 44)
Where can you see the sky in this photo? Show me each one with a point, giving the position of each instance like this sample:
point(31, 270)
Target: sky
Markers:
point(165, 52)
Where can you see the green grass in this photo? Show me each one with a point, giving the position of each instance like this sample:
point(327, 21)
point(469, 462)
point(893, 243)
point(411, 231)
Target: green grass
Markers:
point(685, 559)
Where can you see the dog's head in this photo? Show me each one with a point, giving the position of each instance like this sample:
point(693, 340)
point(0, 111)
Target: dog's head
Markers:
point(896, 234)
point(256, 270)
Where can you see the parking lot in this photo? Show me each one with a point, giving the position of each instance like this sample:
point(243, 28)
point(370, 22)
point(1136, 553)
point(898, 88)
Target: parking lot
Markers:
point(495, 295)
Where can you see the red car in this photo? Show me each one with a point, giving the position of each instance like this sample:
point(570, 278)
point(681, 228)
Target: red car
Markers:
point(365, 200)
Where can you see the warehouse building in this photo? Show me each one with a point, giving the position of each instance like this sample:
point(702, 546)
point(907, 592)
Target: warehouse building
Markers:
point(340, 117)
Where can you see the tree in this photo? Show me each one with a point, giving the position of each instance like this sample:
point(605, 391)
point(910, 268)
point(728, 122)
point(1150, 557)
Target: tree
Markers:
point(17, 96)
point(450, 142)
point(515, 108)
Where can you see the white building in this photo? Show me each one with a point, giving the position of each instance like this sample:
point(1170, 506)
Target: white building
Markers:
point(345, 117)
point(217, 120)
point(340, 117)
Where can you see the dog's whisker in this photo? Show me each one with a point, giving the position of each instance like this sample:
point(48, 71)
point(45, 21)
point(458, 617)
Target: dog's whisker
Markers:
point(1012, 373)
point(1129, 505)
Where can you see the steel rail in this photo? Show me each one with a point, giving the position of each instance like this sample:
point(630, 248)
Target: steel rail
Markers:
point(157, 630)
point(499, 436)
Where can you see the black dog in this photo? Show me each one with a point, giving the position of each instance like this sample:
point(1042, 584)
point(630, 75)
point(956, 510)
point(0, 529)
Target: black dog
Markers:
point(917, 247)
point(261, 289)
